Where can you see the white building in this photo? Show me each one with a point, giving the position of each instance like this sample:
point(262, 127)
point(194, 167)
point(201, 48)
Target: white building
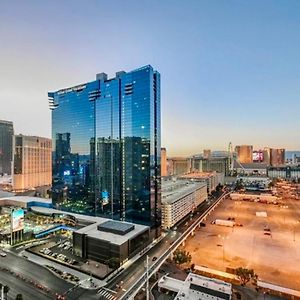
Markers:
point(212, 179)
point(179, 198)
point(197, 287)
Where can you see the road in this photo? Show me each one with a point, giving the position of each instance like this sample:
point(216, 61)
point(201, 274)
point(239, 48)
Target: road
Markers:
point(37, 274)
point(18, 286)
point(134, 273)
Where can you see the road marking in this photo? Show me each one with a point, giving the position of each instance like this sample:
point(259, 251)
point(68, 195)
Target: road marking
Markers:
point(106, 294)
point(107, 289)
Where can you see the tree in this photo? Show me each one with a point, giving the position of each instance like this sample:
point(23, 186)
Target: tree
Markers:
point(245, 275)
point(239, 184)
point(19, 297)
point(6, 290)
point(181, 256)
point(113, 263)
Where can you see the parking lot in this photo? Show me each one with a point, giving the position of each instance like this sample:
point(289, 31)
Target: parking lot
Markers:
point(60, 249)
point(270, 245)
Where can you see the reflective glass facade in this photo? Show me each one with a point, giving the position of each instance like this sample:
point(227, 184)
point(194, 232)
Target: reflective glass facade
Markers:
point(6, 147)
point(106, 147)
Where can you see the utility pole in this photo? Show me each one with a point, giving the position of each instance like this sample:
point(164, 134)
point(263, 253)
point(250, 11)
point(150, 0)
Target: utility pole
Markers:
point(147, 279)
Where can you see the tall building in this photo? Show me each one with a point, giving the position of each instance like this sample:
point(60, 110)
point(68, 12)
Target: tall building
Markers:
point(206, 153)
point(32, 162)
point(218, 164)
point(267, 155)
point(6, 147)
point(274, 157)
point(277, 157)
point(244, 153)
point(178, 165)
point(164, 169)
point(106, 147)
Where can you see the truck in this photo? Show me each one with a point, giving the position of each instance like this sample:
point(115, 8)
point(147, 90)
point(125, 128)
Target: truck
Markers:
point(227, 223)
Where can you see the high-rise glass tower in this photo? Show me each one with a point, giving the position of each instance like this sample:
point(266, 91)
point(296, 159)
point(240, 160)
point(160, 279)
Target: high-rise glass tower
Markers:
point(106, 147)
point(6, 147)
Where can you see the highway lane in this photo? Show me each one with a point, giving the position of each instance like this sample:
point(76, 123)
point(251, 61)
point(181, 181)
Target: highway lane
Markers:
point(18, 286)
point(34, 272)
point(41, 275)
point(138, 283)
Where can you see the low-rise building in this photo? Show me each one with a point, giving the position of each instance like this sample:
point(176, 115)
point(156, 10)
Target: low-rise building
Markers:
point(104, 240)
point(285, 172)
point(197, 287)
point(212, 179)
point(251, 168)
point(179, 198)
point(25, 202)
point(108, 240)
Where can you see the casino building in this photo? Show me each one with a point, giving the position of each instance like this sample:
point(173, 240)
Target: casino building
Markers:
point(107, 149)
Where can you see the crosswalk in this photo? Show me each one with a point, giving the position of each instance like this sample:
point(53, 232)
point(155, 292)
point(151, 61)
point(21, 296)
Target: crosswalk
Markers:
point(105, 294)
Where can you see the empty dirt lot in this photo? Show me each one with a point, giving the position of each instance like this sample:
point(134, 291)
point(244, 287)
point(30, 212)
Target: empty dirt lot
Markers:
point(275, 258)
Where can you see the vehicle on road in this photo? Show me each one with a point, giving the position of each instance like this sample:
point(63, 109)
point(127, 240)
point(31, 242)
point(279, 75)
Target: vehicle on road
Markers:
point(223, 222)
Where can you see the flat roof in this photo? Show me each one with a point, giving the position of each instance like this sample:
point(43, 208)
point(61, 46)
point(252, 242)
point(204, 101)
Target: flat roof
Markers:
point(116, 227)
point(92, 229)
point(194, 283)
point(26, 199)
point(254, 165)
point(198, 175)
point(179, 192)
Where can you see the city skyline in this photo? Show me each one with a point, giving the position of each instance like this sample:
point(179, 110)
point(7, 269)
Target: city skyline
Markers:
point(217, 84)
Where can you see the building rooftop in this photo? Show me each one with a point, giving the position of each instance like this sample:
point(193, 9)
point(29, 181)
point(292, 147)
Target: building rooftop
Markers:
point(116, 227)
point(173, 191)
point(25, 199)
point(92, 229)
point(255, 166)
point(194, 284)
point(198, 175)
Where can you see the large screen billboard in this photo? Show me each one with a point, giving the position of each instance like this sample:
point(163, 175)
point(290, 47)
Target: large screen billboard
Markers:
point(258, 156)
point(17, 220)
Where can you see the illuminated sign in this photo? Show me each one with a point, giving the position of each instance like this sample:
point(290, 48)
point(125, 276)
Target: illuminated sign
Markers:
point(105, 197)
point(77, 88)
point(17, 220)
point(258, 156)
point(67, 173)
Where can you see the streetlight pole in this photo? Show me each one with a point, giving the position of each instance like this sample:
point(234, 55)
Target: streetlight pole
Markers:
point(147, 282)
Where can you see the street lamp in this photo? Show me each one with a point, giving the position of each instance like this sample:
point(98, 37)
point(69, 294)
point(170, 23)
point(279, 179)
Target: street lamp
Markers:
point(224, 238)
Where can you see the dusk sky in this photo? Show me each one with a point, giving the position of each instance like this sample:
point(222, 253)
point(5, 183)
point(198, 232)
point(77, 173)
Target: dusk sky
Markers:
point(230, 70)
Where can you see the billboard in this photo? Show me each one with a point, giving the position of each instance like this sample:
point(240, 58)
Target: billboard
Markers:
point(258, 156)
point(105, 197)
point(17, 220)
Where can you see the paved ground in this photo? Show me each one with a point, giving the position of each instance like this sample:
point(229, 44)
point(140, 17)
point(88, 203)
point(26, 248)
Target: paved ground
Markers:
point(94, 268)
point(275, 258)
point(18, 286)
point(38, 274)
